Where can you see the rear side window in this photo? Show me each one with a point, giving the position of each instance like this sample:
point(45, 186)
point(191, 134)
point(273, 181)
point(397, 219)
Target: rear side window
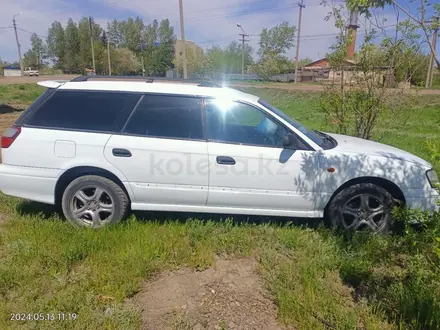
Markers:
point(167, 116)
point(85, 110)
point(22, 119)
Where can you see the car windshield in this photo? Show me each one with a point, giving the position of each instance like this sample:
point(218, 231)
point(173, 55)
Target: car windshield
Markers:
point(312, 135)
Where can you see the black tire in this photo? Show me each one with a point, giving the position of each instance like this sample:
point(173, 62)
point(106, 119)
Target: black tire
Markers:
point(112, 192)
point(348, 213)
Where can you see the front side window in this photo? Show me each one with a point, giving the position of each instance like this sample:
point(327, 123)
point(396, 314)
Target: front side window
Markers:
point(85, 110)
point(240, 123)
point(176, 117)
point(315, 137)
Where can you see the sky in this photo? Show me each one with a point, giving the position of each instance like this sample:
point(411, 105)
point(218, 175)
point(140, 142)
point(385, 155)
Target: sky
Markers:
point(207, 22)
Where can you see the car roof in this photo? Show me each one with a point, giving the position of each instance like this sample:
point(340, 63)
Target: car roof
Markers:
point(160, 87)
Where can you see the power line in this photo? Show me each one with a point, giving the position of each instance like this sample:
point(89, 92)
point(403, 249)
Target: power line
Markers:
point(31, 32)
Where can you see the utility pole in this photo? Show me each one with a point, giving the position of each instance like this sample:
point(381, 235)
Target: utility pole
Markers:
point(108, 57)
point(182, 33)
point(431, 60)
point(18, 44)
point(243, 40)
point(301, 6)
point(91, 42)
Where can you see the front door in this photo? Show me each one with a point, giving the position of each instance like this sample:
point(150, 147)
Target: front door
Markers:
point(162, 152)
point(250, 168)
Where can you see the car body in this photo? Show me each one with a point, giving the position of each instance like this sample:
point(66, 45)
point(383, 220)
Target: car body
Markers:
point(191, 147)
point(31, 72)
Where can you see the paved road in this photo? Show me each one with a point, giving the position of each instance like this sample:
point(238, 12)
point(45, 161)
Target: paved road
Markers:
point(285, 86)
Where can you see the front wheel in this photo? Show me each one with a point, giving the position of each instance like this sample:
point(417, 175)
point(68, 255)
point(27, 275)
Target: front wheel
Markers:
point(94, 201)
point(362, 206)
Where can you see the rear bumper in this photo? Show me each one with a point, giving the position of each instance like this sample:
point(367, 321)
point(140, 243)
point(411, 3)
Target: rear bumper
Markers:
point(31, 183)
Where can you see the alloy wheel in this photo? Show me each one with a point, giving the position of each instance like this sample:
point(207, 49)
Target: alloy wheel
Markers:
point(364, 211)
point(93, 206)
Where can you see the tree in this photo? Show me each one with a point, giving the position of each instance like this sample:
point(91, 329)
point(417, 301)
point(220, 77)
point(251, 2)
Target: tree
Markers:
point(124, 62)
point(71, 58)
point(165, 50)
point(427, 11)
point(273, 44)
point(104, 38)
point(194, 60)
point(35, 55)
point(158, 50)
point(228, 59)
point(405, 55)
point(361, 99)
point(132, 30)
point(71, 50)
point(277, 40)
point(267, 67)
point(115, 34)
point(304, 61)
point(85, 48)
point(56, 44)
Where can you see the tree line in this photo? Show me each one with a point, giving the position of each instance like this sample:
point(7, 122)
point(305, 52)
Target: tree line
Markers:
point(136, 47)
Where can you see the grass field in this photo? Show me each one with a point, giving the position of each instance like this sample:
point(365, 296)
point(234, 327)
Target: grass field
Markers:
point(318, 279)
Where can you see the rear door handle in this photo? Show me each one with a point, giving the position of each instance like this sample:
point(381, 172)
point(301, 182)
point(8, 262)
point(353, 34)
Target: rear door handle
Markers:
point(225, 160)
point(117, 152)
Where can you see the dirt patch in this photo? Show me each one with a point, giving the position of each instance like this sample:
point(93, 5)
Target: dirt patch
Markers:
point(229, 295)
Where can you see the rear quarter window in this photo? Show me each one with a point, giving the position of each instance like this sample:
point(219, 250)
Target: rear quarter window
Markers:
point(85, 110)
point(40, 100)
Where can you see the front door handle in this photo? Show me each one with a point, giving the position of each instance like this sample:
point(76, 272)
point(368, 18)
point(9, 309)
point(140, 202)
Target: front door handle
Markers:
point(117, 152)
point(225, 160)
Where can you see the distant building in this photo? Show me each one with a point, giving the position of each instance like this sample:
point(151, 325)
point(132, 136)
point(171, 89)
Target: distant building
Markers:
point(190, 46)
point(320, 71)
point(11, 71)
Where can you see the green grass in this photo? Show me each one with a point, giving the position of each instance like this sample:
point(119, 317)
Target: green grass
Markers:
point(46, 265)
point(318, 279)
point(19, 96)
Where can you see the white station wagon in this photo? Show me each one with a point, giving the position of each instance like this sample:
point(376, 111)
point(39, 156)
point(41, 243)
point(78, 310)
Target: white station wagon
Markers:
point(100, 146)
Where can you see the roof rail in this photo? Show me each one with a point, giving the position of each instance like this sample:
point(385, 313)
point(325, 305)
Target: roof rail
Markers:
point(201, 83)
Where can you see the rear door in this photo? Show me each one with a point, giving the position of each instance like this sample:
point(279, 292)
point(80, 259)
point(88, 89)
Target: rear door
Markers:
point(162, 152)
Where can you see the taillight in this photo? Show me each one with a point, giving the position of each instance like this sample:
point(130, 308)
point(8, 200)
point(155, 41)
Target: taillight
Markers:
point(9, 136)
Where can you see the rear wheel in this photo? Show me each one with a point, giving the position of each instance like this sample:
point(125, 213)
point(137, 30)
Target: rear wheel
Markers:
point(362, 206)
point(94, 201)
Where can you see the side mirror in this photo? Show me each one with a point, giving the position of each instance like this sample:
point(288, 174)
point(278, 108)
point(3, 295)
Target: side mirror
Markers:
point(290, 141)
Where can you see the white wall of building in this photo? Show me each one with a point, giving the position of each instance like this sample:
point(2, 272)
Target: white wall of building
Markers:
point(12, 73)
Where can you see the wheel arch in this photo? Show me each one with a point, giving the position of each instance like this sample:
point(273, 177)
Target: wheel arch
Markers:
point(75, 172)
point(388, 185)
